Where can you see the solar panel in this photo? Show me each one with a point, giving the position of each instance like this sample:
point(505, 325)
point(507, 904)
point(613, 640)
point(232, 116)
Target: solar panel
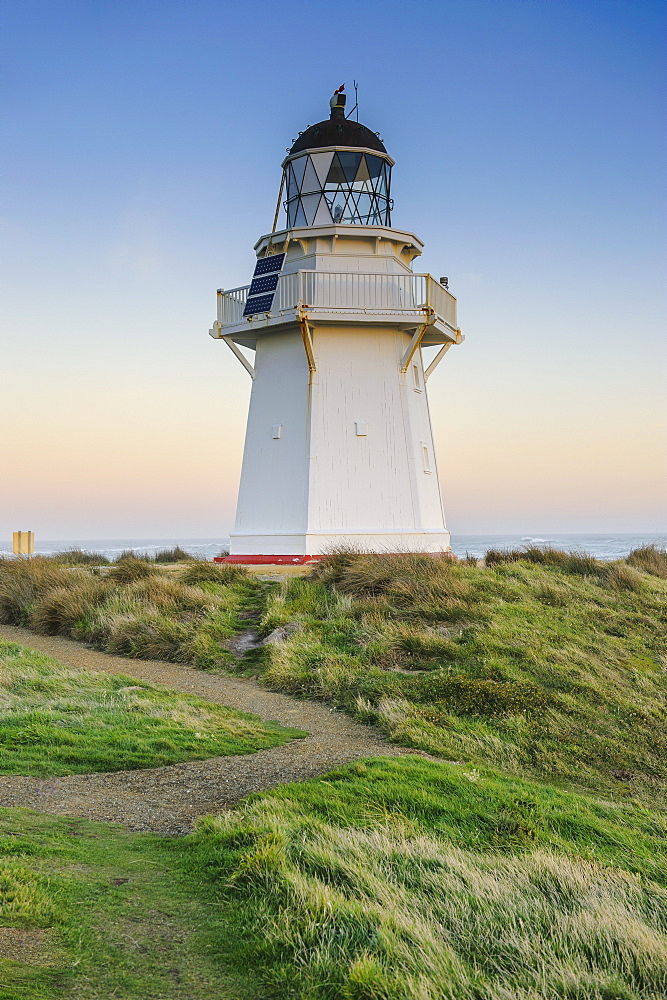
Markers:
point(258, 304)
point(268, 283)
point(265, 265)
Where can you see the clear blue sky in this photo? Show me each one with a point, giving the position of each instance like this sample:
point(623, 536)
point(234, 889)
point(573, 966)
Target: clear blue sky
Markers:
point(142, 150)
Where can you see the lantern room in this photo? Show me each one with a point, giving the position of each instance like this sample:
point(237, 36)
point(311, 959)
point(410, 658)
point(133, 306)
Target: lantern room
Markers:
point(339, 172)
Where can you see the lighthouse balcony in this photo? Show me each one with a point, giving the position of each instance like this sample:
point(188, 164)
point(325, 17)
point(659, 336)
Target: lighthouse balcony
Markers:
point(406, 301)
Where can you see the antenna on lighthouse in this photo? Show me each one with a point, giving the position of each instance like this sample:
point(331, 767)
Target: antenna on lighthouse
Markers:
point(356, 101)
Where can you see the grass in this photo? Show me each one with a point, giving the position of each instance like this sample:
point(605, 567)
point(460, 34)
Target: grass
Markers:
point(175, 555)
point(412, 880)
point(135, 607)
point(79, 557)
point(525, 860)
point(650, 559)
point(535, 667)
point(401, 879)
point(55, 721)
point(543, 663)
point(89, 911)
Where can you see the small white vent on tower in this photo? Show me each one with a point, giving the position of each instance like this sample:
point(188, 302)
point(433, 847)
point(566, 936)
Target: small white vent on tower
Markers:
point(276, 431)
point(426, 457)
point(361, 428)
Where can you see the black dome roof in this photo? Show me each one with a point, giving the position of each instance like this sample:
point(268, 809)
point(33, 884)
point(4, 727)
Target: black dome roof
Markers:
point(337, 132)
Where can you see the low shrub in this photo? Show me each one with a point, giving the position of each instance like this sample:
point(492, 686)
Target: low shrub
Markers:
point(651, 559)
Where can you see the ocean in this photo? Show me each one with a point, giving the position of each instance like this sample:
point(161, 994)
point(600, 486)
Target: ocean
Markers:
point(611, 546)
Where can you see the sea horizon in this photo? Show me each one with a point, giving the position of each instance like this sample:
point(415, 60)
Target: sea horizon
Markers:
point(605, 546)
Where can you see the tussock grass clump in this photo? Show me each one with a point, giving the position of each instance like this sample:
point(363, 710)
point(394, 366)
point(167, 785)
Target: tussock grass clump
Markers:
point(79, 557)
point(409, 880)
point(149, 636)
point(134, 608)
point(651, 559)
point(58, 610)
point(579, 563)
point(175, 555)
point(157, 618)
point(171, 595)
point(620, 576)
point(202, 571)
point(129, 568)
point(131, 554)
point(408, 581)
point(22, 581)
point(54, 720)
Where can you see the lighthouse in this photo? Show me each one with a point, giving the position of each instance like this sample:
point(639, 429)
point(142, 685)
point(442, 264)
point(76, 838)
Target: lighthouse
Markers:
point(339, 447)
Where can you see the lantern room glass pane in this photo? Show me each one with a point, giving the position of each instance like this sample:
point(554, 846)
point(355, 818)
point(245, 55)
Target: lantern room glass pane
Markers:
point(291, 212)
point(336, 173)
point(310, 203)
point(311, 181)
point(350, 164)
point(374, 164)
point(298, 166)
point(322, 162)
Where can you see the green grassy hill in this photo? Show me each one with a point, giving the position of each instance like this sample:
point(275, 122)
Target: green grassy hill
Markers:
point(552, 668)
point(521, 857)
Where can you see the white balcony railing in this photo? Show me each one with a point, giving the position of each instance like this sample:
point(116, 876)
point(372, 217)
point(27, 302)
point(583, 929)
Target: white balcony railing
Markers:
point(343, 292)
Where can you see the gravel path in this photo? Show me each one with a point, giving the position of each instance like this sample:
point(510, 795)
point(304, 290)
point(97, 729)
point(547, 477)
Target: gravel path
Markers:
point(167, 800)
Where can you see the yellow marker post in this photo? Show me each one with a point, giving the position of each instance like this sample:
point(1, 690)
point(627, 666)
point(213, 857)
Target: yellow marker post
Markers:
point(24, 543)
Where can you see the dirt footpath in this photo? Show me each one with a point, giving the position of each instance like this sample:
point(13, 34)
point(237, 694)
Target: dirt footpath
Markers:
point(167, 800)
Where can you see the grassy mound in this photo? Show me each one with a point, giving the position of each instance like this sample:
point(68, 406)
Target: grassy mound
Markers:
point(402, 879)
point(412, 880)
point(527, 863)
point(541, 662)
point(56, 721)
point(554, 668)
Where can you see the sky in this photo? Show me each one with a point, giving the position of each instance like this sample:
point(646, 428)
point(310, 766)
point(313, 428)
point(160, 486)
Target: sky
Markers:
point(143, 142)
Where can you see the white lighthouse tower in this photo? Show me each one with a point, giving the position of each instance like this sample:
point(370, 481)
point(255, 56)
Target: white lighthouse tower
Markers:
point(339, 448)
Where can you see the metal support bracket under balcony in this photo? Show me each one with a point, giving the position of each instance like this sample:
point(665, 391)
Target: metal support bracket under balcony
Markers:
point(436, 361)
point(216, 332)
point(307, 340)
point(416, 341)
point(441, 353)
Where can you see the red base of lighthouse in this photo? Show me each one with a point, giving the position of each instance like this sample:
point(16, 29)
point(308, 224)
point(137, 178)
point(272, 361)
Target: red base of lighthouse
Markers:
point(268, 560)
